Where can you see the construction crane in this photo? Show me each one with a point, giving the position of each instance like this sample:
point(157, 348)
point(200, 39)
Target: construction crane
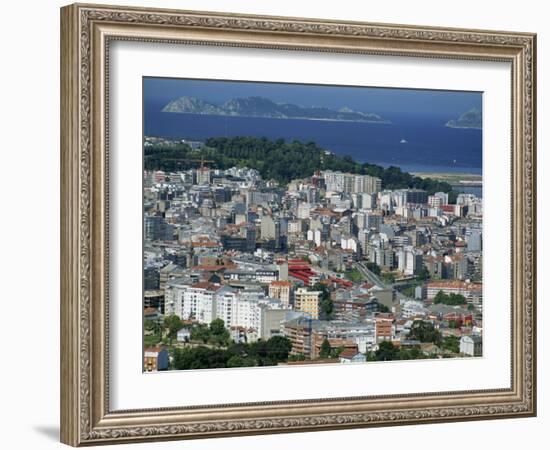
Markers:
point(181, 160)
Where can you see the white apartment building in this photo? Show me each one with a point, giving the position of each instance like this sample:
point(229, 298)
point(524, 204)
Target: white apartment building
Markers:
point(303, 211)
point(409, 261)
point(204, 302)
point(435, 202)
point(363, 200)
point(191, 301)
point(245, 310)
point(412, 308)
point(295, 226)
point(443, 196)
point(315, 236)
point(350, 243)
point(352, 183)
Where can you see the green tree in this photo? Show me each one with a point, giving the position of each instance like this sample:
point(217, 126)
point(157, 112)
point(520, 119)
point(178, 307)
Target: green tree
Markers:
point(219, 335)
point(200, 332)
point(325, 349)
point(388, 277)
point(386, 352)
point(424, 332)
point(457, 299)
point(280, 160)
point(259, 351)
point(335, 352)
point(298, 357)
point(409, 291)
point(217, 327)
point(278, 348)
point(239, 361)
point(451, 343)
point(326, 305)
point(149, 325)
point(451, 299)
point(423, 274)
point(440, 297)
point(151, 340)
point(327, 308)
point(374, 268)
point(354, 275)
point(172, 324)
point(411, 353)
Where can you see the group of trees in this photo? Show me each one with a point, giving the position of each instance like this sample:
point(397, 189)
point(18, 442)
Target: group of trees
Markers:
point(387, 277)
point(326, 305)
point(388, 352)
point(354, 275)
point(282, 161)
point(327, 351)
point(215, 333)
point(424, 332)
point(374, 268)
point(162, 330)
point(451, 343)
point(259, 353)
point(449, 299)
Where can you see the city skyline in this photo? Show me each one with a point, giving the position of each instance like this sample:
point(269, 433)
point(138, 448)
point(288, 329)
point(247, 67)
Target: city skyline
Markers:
point(263, 251)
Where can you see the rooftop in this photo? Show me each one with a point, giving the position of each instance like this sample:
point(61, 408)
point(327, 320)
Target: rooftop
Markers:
point(349, 353)
point(456, 284)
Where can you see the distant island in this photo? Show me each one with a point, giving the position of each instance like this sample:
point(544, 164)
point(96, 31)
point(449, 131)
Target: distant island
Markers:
point(265, 108)
point(470, 119)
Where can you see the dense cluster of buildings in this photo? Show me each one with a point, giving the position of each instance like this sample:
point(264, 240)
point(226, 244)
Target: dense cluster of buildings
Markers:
point(266, 258)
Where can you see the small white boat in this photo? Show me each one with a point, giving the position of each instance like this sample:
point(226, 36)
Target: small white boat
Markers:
point(403, 141)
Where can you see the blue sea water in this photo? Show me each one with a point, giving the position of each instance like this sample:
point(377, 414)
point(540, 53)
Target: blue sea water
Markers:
point(416, 143)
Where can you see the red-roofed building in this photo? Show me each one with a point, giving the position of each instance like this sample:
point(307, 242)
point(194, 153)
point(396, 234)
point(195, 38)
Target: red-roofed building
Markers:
point(384, 328)
point(352, 356)
point(473, 292)
point(207, 244)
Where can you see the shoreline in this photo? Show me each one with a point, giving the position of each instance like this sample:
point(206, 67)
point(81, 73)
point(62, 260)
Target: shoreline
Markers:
point(461, 179)
point(381, 121)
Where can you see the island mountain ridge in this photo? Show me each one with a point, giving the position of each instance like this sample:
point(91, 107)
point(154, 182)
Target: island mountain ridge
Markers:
point(265, 108)
point(470, 119)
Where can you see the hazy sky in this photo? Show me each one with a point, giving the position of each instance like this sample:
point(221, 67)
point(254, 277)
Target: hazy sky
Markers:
point(375, 100)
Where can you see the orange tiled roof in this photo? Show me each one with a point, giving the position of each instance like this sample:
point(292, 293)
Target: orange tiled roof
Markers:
point(456, 284)
point(206, 285)
point(349, 353)
point(281, 283)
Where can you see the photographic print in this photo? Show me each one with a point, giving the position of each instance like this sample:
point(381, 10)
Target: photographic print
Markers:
point(295, 199)
point(293, 224)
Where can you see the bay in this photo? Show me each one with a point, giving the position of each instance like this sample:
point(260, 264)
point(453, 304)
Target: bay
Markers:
point(416, 143)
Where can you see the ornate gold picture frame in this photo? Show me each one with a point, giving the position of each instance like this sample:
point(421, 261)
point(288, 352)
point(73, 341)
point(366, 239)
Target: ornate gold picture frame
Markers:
point(87, 31)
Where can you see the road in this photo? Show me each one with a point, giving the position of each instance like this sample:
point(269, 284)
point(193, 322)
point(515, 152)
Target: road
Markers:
point(375, 279)
point(370, 276)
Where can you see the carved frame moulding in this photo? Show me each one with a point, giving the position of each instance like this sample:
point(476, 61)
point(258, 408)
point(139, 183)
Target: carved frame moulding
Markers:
point(86, 34)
